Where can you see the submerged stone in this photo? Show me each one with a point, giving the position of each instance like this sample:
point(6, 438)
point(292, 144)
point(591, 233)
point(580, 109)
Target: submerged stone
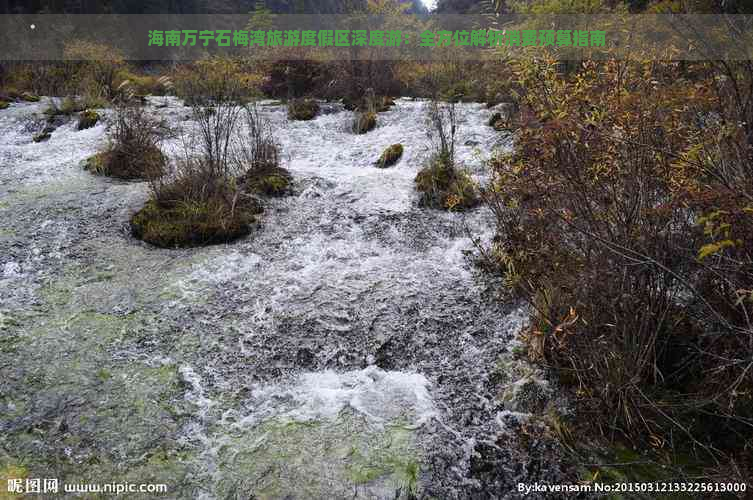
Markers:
point(330, 435)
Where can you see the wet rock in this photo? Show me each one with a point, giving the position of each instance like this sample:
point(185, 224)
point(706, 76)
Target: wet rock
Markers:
point(45, 134)
point(390, 156)
point(520, 386)
point(103, 298)
point(305, 358)
point(385, 355)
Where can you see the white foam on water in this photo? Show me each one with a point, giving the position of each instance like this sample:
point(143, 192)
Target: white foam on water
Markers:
point(378, 395)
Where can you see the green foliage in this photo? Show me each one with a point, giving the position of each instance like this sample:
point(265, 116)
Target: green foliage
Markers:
point(390, 156)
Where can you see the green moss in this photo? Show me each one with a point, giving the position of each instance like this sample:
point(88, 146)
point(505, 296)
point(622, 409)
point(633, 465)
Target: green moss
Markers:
point(269, 181)
point(29, 97)
point(443, 186)
point(364, 122)
point(87, 119)
point(280, 457)
point(4, 104)
point(303, 109)
point(390, 156)
point(193, 223)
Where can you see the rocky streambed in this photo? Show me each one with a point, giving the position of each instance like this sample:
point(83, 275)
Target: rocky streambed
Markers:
point(347, 349)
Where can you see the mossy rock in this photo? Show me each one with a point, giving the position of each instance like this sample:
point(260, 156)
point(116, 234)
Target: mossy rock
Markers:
point(364, 122)
point(268, 180)
point(29, 97)
point(443, 186)
point(390, 156)
point(45, 134)
point(497, 121)
point(189, 223)
point(303, 109)
point(96, 164)
point(4, 104)
point(119, 163)
point(87, 119)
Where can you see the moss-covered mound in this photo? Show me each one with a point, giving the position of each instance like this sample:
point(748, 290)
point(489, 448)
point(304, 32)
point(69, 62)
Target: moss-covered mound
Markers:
point(364, 122)
point(443, 186)
point(117, 161)
point(4, 104)
point(189, 223)
point(390, 156)
point(303, 109)
point(268, 180)
point(87, 119)
point(29, 97)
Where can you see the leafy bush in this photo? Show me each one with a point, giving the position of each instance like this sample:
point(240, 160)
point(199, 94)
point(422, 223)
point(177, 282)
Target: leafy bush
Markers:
point(390, 156)
point(624, 219)
point(302, 109)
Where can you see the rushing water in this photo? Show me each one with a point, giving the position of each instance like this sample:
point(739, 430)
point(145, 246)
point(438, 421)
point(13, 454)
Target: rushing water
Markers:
point(348, 348)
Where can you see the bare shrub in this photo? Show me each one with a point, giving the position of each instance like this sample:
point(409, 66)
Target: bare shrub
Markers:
point(620, 219)
point(441, 184)
point(203, 201)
